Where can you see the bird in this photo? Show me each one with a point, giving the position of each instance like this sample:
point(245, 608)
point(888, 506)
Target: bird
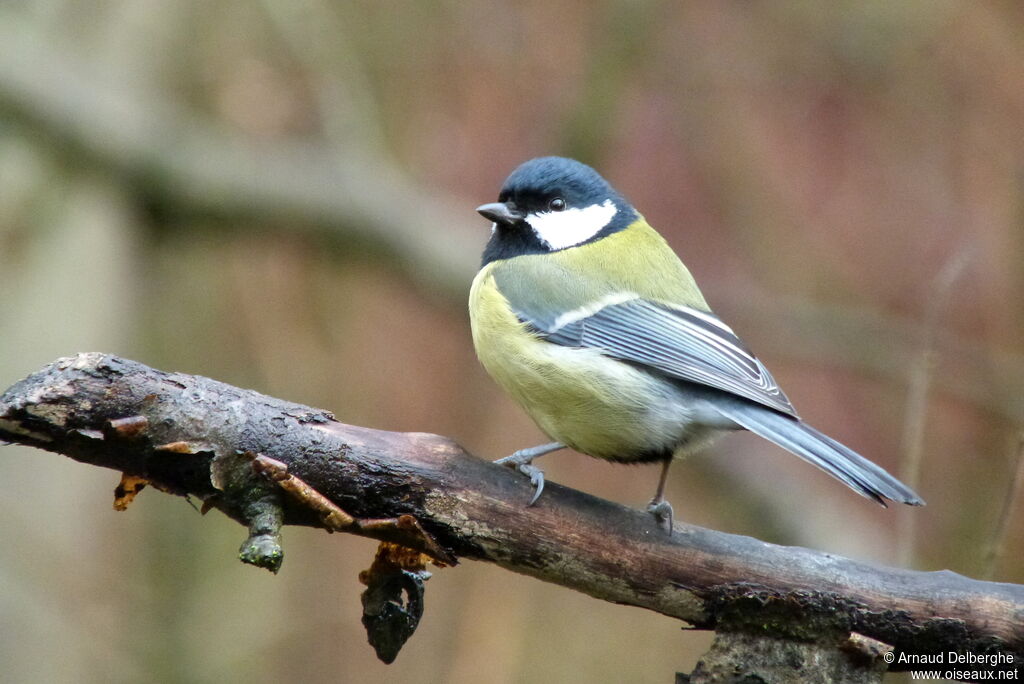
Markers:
point(588, 319)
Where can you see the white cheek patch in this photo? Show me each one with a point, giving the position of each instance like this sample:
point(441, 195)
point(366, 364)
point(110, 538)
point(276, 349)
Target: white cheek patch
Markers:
point(561, 229)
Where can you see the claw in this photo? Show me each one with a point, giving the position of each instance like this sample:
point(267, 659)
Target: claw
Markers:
point(662, 512)
point(522, 461)
point(536, 476)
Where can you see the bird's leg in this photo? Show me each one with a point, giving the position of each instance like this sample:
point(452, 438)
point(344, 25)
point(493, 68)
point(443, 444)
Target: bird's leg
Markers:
point(522, 461)
point(659, 508)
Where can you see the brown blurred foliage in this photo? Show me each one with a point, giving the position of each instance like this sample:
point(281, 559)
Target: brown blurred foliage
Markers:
point(279, 195)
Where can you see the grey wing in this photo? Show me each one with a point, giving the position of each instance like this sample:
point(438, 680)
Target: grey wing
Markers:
point(680, 342)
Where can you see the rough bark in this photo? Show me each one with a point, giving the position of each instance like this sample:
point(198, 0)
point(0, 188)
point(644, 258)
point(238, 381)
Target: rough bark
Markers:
point(196, 436)
point(751, 659)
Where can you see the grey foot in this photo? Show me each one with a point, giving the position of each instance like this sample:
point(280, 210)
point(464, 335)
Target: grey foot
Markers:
point(662, 512)
point(522, 462)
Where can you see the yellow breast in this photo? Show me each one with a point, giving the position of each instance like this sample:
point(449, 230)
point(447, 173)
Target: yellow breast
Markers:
point(579, 397)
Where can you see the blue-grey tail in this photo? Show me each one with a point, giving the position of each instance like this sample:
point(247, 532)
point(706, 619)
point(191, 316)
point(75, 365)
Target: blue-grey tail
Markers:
point(837, 460)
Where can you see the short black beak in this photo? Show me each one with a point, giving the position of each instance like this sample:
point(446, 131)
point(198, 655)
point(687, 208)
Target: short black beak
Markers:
point(500, 212)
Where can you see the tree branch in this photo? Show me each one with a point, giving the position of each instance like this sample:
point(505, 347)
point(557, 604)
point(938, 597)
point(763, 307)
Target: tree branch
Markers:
point(192, 435)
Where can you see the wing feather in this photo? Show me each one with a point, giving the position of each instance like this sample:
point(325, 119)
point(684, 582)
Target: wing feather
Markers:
point(678, 341)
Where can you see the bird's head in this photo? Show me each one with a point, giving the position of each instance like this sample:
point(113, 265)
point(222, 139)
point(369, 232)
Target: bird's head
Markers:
point(553, 203)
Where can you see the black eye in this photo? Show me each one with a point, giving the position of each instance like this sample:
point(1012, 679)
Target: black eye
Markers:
point(557, 204)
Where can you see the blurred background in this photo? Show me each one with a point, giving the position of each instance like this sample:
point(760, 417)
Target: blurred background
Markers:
point(279, 195)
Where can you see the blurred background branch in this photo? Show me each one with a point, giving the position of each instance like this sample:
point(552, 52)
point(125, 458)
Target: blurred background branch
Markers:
point(184, 163)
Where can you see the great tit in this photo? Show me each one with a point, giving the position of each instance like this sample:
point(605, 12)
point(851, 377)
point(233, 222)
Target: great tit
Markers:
point(589, 320)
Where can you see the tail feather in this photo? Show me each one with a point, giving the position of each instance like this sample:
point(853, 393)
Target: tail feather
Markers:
point(834, 458)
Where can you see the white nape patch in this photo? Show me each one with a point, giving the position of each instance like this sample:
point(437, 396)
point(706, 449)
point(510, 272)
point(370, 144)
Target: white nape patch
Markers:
point(561, 229)
point(592, 308)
